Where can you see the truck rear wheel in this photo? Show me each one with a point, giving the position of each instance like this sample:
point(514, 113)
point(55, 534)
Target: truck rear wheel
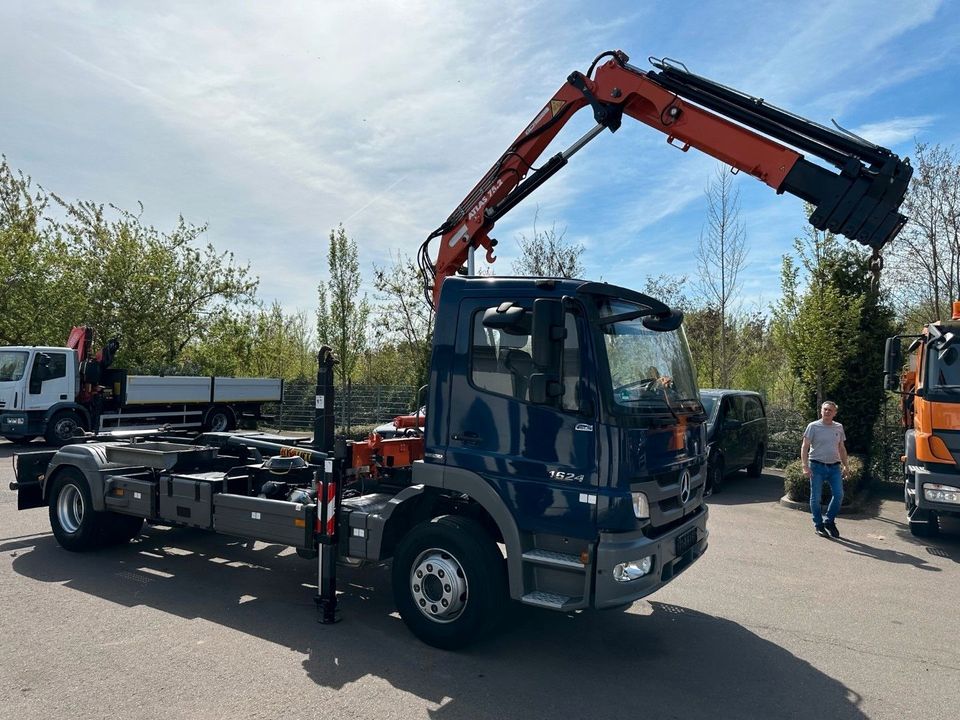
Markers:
point(219, 419)
point(76, 525)
point(63, 427)
point(449, 581)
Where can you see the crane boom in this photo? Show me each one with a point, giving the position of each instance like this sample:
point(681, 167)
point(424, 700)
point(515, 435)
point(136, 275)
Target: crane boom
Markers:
point(859, 200)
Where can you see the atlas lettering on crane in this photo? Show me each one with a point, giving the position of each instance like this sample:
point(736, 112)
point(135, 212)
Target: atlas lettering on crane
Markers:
point(482, 203)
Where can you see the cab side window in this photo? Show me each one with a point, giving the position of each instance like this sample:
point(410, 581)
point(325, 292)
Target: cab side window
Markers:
point(502, 362)
point(56, 366)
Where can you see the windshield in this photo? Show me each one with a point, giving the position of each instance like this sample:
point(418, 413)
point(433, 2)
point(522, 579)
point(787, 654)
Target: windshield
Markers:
point(944, 369)
point(13, 363)
point(709, 405)
point(649, 370)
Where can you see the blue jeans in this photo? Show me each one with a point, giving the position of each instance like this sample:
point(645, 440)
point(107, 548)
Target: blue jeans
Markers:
point(820, 474)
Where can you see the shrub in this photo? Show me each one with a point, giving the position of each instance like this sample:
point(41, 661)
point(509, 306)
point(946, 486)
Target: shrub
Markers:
point(796, 486)
point(784, 446)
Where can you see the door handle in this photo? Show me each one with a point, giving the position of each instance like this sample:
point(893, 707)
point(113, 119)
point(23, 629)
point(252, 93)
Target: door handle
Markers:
point(468, 436)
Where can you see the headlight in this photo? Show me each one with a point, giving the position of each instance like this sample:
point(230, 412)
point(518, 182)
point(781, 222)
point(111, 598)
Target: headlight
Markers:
point(15, 420)
point(641, 508)
point(941, 493)
point(625, 572)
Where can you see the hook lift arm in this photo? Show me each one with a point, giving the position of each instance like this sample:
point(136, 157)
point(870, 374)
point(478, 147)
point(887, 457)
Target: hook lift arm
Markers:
point(861, 200)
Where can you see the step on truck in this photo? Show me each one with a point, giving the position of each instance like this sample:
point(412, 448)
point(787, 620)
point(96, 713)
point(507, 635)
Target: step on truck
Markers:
point(60, 392)
point(562, 460)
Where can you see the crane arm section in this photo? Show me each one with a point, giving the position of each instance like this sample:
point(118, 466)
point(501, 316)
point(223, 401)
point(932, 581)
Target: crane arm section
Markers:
point(859, 200)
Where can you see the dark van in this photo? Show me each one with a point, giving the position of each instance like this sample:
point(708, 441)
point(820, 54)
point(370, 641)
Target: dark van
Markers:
point(736, 434)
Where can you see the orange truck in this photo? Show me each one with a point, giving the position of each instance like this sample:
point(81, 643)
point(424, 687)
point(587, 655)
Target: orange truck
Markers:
point(929, 388)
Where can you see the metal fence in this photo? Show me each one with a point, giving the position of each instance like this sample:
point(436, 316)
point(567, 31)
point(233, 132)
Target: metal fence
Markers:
point(355, 406)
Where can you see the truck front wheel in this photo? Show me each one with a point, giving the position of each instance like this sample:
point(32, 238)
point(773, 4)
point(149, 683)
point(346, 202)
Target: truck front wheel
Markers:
point(76, 525)
point(449, 581)
point(63, 427)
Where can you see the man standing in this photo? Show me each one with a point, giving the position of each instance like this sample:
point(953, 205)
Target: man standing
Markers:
point(824, 455)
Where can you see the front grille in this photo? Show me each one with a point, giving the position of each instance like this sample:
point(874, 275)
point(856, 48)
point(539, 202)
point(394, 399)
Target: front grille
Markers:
point(663, 492)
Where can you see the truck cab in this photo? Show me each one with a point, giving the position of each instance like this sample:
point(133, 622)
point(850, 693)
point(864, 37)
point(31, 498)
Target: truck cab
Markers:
point(35, 384)
point(571, 413)
point(930, 401)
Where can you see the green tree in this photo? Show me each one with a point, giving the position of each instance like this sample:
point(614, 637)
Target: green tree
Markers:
point(34, 266)
point(721, 255)
point(923, 263)
point(404, 319)
point(156, 290)
point(341, 313)
point(821, 338)
point(548, 254)
point(860, 390)
point(103, 267)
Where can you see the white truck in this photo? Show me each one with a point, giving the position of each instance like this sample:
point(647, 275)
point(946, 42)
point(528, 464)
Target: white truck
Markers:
point(49, 391)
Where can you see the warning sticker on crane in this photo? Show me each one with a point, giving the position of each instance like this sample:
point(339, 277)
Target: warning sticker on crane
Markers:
point(555, 106)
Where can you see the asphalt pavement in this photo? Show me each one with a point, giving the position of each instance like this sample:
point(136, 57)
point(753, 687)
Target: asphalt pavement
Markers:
point(773, 622)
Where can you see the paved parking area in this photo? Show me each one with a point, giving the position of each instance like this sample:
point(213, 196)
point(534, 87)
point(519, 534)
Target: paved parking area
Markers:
point(774, 622)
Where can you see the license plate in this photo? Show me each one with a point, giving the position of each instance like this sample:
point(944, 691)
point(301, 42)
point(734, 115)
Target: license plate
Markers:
point(685, 541)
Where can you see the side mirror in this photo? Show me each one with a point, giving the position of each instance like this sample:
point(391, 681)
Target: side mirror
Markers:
point(892, 362)
point(511, 319)
point(663, 323)
point(547, 335)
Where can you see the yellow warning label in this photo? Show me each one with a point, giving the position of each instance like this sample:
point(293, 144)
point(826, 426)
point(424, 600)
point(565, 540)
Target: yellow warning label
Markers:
point(555, 106)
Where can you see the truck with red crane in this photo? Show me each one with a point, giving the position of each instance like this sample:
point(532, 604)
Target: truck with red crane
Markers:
point(555, 468)
point(60, 392)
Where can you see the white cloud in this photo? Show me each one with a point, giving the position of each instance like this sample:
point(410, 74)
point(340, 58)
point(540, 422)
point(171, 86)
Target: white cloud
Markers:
point(895, 130)
point(276, 122)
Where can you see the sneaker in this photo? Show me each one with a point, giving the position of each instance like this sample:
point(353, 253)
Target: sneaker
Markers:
point(821, 531)
point(832, 529)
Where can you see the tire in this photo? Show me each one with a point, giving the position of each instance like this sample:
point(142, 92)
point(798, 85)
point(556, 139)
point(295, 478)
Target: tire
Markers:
point(449, 581)
point(76, 525)
point(220, 419)
point(714, 476)
point(62, 427)
point(755, 469)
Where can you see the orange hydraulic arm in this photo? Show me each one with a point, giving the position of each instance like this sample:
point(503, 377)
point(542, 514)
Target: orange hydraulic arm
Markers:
point(861, 201)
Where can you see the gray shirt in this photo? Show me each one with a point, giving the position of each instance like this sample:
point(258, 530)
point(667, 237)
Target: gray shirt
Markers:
point(825, 441)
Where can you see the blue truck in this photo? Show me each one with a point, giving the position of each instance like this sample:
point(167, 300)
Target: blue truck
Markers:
point(563, 459)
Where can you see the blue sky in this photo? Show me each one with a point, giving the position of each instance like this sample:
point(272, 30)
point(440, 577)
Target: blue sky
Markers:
point(274, 122)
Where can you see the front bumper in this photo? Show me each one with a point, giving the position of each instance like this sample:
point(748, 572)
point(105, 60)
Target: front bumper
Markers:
point(920, 476)
point(14, 424)
point(616, 548)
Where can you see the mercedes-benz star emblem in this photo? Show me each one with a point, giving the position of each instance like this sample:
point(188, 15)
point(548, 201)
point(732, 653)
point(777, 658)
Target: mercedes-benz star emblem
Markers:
point(684, 487)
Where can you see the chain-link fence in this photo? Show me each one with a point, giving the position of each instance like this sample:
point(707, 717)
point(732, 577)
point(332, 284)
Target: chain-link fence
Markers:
point(356, 407)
